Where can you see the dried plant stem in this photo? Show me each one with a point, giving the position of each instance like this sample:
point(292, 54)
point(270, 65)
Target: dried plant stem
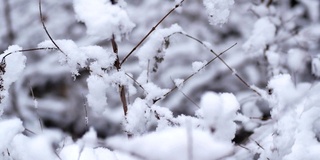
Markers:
point(152, 29)
point(45, 28)
point(185, 95)
point(26, 50)
point(118, 67)
point(221, 59)
point(190, 76)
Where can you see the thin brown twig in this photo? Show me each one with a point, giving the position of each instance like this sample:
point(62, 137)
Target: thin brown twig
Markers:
point(118, 67)
point(35, 105)
point(190, 76)
point(45, 28)
point(136, 82)
point(192, 101)
point(26, 50)
point(152, 29)
point(221, 59)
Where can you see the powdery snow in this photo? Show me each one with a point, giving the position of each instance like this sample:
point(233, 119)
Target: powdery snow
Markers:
point(219, 111)
point(103, 19)
point(196, 66)
point(14, 66)
point(173, 143)
point(218, 10)
point(296, 60)
point(154, 46)
point(263, 33)
point(8, 130)
point(97, 93)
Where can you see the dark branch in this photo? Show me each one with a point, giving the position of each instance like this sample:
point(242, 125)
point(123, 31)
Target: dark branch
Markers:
point(45, 28)
point(152, 29)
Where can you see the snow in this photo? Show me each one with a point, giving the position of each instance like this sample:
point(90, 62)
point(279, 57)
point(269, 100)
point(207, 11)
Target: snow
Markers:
point(77, 57)
point(197, 66)
point(9, 129)
point(103, 19)
point(263, 33)
point(218, 10)
point(172, 143)
point(281, 122)
point(96, 97)
point(13, 69)
point(37, 148)
point(273, 58)
point(178, 82)
point(219, 111)
point(296, 60)
point(283, 89)
point(153, 91)
point(137, 117)
point(154, 47)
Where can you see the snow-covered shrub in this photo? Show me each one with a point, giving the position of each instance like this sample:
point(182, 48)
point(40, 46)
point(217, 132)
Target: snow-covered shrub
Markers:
point(111, 95)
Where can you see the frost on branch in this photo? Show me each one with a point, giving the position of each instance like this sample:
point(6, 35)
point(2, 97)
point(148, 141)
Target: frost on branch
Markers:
point(103, 19)
point(293, 132)
point(96, 57)
point(11, 70)
point(153, 51)
point(218, 10)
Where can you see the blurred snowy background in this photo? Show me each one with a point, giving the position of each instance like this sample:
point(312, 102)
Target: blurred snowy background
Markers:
point(274, 37)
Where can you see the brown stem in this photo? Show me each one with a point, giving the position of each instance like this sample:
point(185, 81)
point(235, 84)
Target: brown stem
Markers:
point(26, 50)
point(45, 28)
point(152, 29)
point(121, 87)
point(221, 59)
point(190, 76)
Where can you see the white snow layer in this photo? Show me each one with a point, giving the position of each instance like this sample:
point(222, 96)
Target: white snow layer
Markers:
point(218, 10)
point(151, 48)
point(8, 130)
point(263, 33)
point(14, 66)
point(77, 57)
point(296, 60)
point(96, 97)
point(103, 19)
point(174, 143)
point(219, 112)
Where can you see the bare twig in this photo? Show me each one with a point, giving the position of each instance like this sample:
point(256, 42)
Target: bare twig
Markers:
point(190, 76)
point(36, 108)
point(136, 82)
point(45, 28)
point(192, 101)
point(121, 87)
point(86, 118)
point(152, 29)
point(26, 50)
point(221, 59)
